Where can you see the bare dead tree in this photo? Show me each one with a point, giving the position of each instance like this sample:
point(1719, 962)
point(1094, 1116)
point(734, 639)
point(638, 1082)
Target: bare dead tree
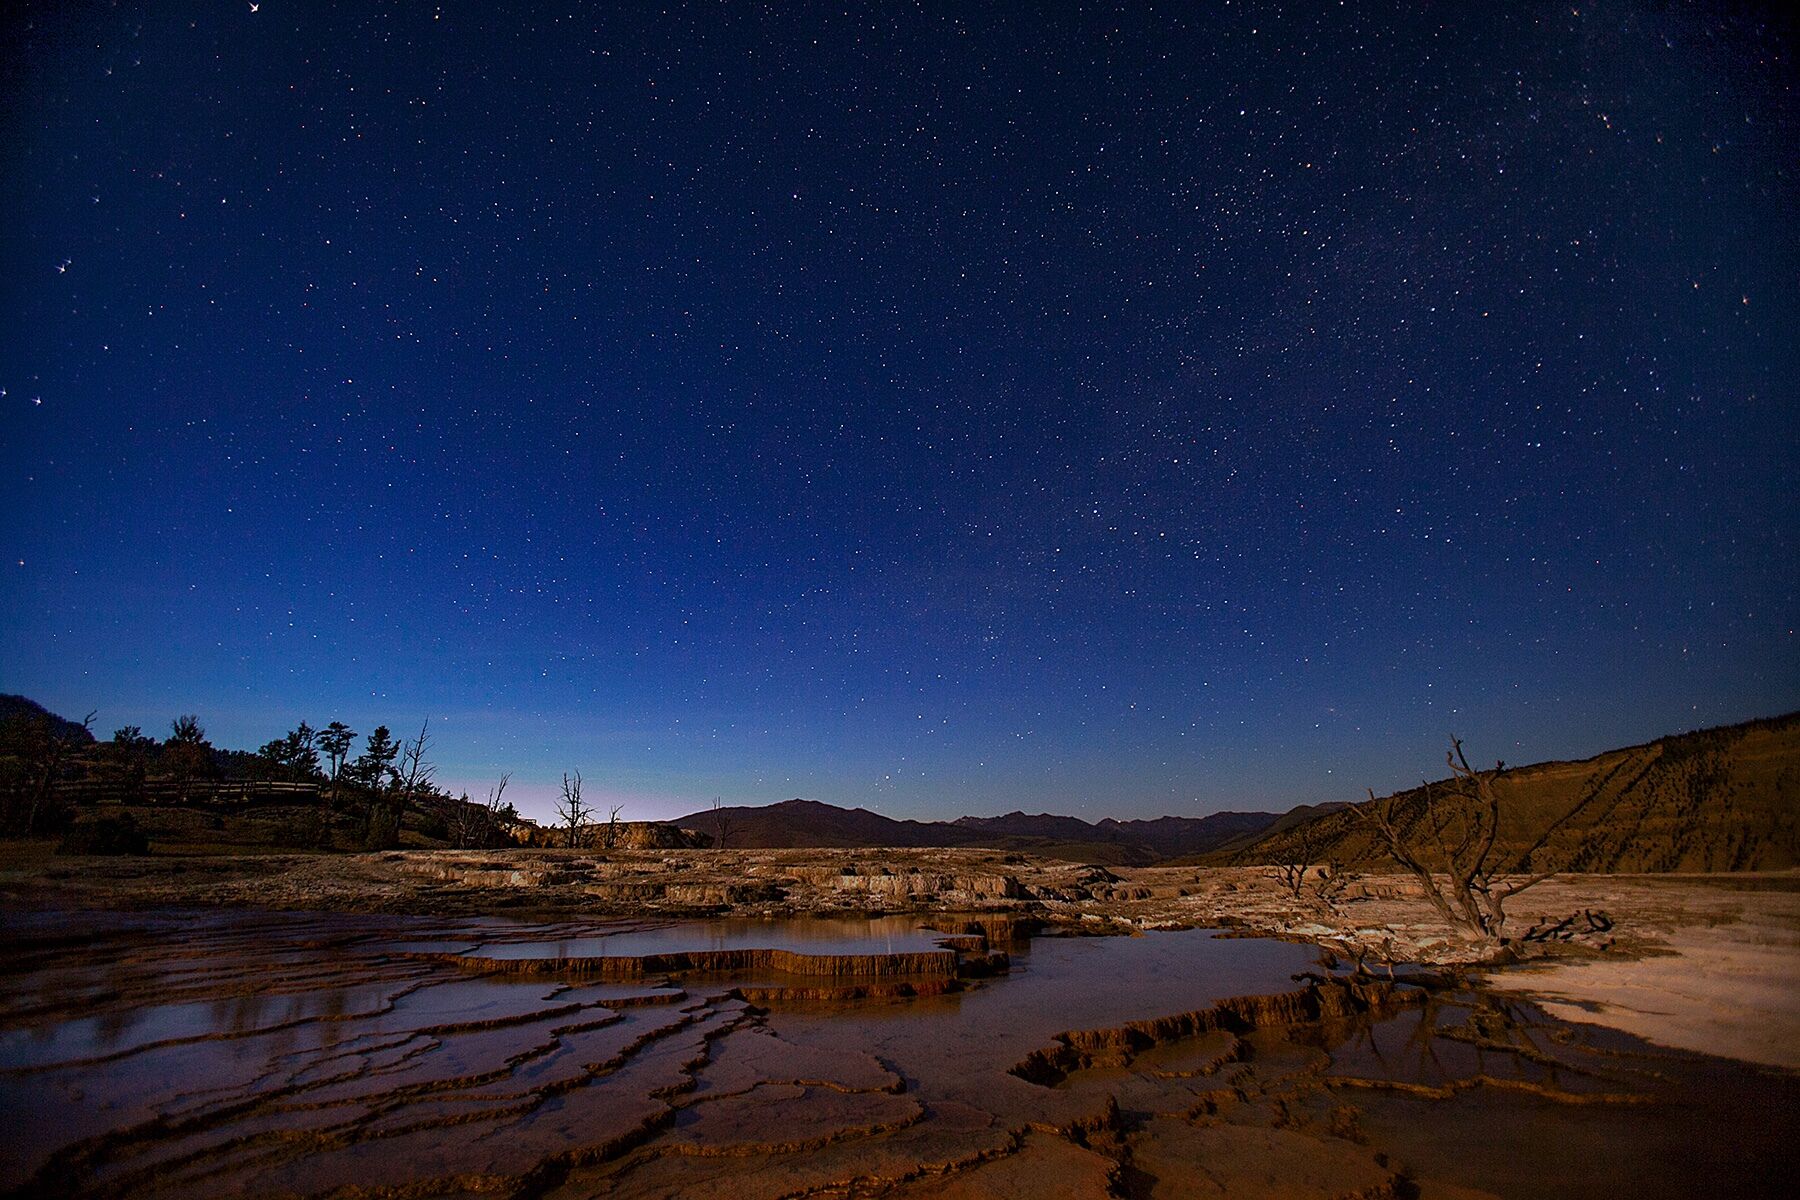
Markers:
point(612, 826)
point(1289, 869)
point(1298, 864)
point(1330, 881)
point(462, 823)
point(571, 810)
point(475, 825)
point(495, 806)
point(1291, 874)
point(413, 774)
point(721, 824)
point(1449, 849)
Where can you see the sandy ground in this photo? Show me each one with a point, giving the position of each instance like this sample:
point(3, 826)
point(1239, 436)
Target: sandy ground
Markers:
point(1717, 969)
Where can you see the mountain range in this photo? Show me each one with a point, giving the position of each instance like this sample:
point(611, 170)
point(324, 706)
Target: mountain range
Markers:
point(795, 823)
point(1724, 799)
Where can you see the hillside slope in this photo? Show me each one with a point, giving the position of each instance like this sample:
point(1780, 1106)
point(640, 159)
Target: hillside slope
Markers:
point(1724, 799)
point(1176, 837)
point(18, 713)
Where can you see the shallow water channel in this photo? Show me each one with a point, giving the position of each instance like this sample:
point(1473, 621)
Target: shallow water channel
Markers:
point(245, 1053)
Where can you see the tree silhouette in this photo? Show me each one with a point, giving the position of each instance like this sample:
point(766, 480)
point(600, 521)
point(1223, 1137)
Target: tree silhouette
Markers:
point(295, 756)
point(374, 770)
point(376, 763)
point(127, 760)
point(570, 809)
point(335, 741)
point(187, 755)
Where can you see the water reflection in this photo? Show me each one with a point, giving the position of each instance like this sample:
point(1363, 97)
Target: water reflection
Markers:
point(822, 935)
point(306, 1053)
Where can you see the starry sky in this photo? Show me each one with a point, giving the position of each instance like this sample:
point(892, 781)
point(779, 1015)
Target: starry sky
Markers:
point(946, 409)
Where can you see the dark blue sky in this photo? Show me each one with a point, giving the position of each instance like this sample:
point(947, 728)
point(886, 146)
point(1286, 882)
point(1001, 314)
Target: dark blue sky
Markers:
point(1120, 411)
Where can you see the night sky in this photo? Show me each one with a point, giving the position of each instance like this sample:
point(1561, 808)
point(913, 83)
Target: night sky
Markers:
point(938, 409)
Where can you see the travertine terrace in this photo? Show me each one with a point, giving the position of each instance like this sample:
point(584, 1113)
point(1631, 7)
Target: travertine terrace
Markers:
point(1745, 926)
point(257, 1053)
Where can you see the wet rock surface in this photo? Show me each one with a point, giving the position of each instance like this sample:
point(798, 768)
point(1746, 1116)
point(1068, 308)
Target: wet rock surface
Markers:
point(179, 1053)
point(674, 881)
point(1710, 963)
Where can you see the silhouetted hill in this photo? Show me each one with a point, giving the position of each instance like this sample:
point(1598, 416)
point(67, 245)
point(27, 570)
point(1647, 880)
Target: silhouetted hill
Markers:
point(1163, 837)
point(1292, 817)
point(20, 709)
point(1173, 837)
point(1724, 799)
point(1048, 826)
point(811, 823)
point(1059, 837)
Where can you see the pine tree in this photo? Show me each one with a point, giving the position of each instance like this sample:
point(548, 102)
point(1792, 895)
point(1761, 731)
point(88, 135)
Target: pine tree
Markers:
point(376, 762)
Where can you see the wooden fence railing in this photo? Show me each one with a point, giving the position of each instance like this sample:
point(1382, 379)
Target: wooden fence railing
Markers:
point(199, 791)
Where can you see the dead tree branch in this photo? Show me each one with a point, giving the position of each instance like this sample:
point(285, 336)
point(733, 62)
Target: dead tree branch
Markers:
point(414, 774)
point(1448, 846)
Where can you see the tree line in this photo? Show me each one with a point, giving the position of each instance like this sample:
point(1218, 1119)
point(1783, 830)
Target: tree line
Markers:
point(45, 758)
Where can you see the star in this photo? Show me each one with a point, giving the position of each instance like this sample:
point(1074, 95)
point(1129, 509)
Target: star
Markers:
point(1033, 395)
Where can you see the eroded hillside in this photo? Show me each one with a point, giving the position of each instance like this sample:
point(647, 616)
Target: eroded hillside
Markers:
point(1717, 800)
